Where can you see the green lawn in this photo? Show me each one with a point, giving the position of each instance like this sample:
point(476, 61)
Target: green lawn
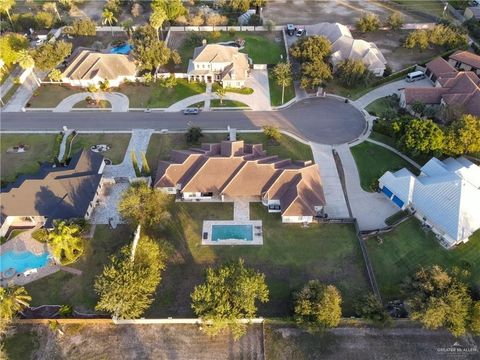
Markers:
point(6, 97)
point(227, 103)
point(379, 106)
point(50, 95)
point(276, 91)
point(373, 161)
point(408, 247)
point(433, 7)
point(262, 48)
point(156, 96)
point(65, 288)
point(14, 164)
point(161, 144)
point(117, 142)
point(243, 91)
point(290, 256)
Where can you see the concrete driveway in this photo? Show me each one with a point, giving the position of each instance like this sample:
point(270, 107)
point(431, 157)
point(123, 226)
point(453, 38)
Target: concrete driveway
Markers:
point(260, 99)
point(118, 101)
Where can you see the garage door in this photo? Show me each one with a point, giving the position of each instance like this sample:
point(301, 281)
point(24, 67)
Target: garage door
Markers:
point(387, 192)
point(398, 202)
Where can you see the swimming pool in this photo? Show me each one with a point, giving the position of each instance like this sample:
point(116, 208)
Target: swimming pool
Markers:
point(124, 49)
point(229, 232)
point(21, 261)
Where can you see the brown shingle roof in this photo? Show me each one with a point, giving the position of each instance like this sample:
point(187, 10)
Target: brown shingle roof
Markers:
point(467, 57)
point(424, 95)
point(439, 66)
point(235, 169)
point(88, 64)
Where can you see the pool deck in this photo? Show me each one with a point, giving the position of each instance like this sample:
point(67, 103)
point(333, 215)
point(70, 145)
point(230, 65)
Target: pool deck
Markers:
point(257, 233)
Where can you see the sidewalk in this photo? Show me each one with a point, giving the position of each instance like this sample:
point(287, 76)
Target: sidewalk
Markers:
point(23, 94)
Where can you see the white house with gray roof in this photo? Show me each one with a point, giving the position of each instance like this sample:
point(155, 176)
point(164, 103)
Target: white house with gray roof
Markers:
point(445, 196)
point(222, 63)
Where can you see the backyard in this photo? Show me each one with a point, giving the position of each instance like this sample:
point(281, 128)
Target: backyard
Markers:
point(401, 252)
point(118, 144)
point(276, 91)
point(39, 149)
point(288, 148)
point(261, 47)
point(373, 161)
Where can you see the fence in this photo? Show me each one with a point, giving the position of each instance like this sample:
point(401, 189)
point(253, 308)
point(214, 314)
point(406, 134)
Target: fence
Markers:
point(225, 28)
point(168, 321)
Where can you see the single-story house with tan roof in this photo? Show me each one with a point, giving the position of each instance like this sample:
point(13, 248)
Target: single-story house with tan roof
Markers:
point(92, 68)
point(222, 63)
point(465, 60)
point(451, 87)
point(232, 169)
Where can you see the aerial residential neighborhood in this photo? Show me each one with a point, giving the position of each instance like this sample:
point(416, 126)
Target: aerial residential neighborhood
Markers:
point(226, 179)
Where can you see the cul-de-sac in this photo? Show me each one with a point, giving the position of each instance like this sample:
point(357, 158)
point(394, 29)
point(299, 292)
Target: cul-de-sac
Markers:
point(240, 179)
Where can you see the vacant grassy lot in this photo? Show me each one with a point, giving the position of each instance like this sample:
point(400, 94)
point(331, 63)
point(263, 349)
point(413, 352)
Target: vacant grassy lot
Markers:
point(408, 247)
point(118, 144)
point(156, 96)
point(22, 344)
point(50, 95)
point(227, 103)
point(261, 47)
point(276, 91)
point(433, 7)
point(373, 160)
point(40, 149)
point(290, 256)
point(161, 145)
point(66, 288)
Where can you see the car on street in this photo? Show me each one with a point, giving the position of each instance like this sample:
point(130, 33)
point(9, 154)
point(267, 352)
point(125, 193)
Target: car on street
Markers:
point(291, 29)
point(191, 111)
point(300, 32)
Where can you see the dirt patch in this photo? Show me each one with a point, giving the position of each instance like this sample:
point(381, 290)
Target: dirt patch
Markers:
point(103, 341)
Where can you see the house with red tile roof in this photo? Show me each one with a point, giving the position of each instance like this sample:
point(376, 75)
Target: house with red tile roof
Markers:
point(465, 60)
point(451, 88)
point(232, 169)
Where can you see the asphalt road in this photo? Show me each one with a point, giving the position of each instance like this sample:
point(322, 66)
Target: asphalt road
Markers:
point(322, 120)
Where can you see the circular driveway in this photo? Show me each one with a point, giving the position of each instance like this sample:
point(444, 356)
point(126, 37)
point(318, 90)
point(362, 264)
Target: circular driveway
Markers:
point(326, 120)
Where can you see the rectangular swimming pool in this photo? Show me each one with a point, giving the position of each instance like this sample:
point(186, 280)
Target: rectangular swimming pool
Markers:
point(232, 232)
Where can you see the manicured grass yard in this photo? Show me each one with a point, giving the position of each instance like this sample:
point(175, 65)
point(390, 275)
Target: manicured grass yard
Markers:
point(288, 148)
point(276, 91)
point(379, 106)
point(155, 96)
point(227, 103)
point(65, 288)
point(101, 104)
point(373, 160)
point(408, 247)
point(117, 142)
point(14, 164)
point(50, 95)
point(289, 256)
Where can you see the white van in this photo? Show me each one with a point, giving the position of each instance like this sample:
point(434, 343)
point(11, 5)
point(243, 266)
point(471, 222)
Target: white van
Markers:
point(414, 76)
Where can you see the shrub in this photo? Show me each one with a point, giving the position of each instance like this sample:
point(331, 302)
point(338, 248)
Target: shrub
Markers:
point(44, 20)
point(193, 135)
point(368, 22)
point(92, 88)
point(215, 35)
point(82, 27)
point(65, 311)
point(40, 235)
point(255, 20)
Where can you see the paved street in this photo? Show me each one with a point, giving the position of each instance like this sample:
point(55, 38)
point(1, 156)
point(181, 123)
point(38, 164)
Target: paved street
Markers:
point(321, 120)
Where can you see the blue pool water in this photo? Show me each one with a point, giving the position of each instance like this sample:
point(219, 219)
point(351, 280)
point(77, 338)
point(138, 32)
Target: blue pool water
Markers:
point(124, 49)
point(237, 232)
point(22, 261)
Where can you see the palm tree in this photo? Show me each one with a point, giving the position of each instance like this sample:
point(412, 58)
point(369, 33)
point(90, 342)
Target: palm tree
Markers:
point(221, 93)
point(5, 6)
point(157, 19)
point(25, 59)
point(283, 76)
point(108, 18)
point(12, 300)
point(128, 27)
point(66, 243)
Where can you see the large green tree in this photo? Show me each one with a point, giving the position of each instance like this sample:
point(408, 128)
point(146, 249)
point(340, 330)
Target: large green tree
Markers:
point(150, 52)
point(228, 295)
point(142, 205)
point(49, 55)
point(82, 27)
point(172, 8)
point(351, 73)
point(441, 35)
point(5, 6)
point(311, 48)
point(439, 299)
point(66, 242)
point(314, 74)
point(368, 22)
point(25, 59)
point(463, 136)
point(318, 306)
point(422, 137)
point(127, 286)
point(157, 18)
point(11, 44)
point(283, 76)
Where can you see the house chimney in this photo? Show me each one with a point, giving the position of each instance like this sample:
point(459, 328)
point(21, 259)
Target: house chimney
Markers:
point(204, 42)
